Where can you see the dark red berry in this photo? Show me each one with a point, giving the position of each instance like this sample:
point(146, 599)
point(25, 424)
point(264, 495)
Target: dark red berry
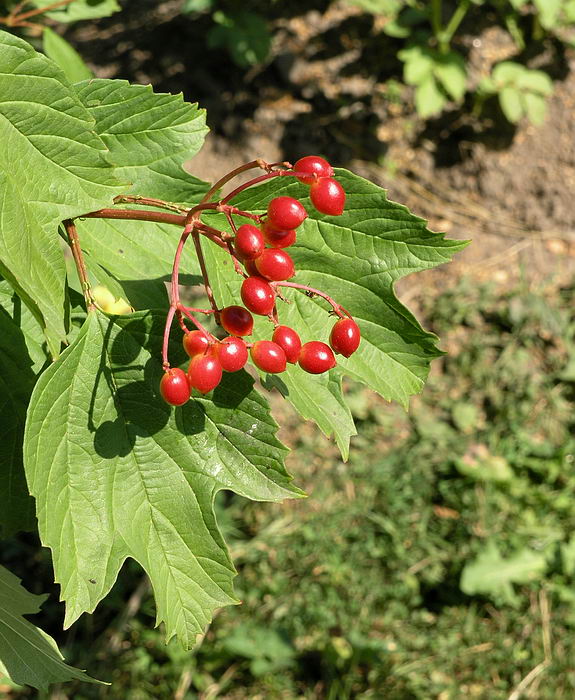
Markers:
point(196, 342)
point(251, 268)
point(275, 264)
point(327, 196)
point(315, 166)
point(316, 357)
point(232, 353)
point(204, 373)
point(345, 336)
point(174, 387)
point(236, 320)
point(249, 242)
point(278, 239)
point(289, 341)
point(285, 213)
point(258, 296)
point(268, 356)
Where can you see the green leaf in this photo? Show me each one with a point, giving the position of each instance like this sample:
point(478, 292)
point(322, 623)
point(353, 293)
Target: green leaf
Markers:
point(81, 9)
point(16, 383)
point(507, 73)
point(548, 12)
point(355, 258)
point(429, 99)
point(450, 71)
point(66, 56)
point(52, 167)
point(510, 101)
point(535, 108)
point(150, 136)
point(244, 34)
point(491, 574)
point(535, 81)
point(190, 6)
point(28, 656)
point(139, 255)
point(121, 474)
point(418, 64)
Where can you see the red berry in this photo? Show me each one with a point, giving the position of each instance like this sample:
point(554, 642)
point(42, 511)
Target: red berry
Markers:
point(249, 242)
point(327, 196)
point(236, 320)
point(174, 387)
point(285, 213)
point(278, 239)
point(316, 357)
point(275, 264)
point(251, 268)
point(315, 166)
point(204, 373)
point(232, 353)
point(258, 296)
point(268, 356)
point(196, 342)
point(289, 341)
point(345, 336)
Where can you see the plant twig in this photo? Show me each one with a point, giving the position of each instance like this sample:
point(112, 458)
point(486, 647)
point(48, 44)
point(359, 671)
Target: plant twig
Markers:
point(74, 243)
point(14, 19)
point(311, 292)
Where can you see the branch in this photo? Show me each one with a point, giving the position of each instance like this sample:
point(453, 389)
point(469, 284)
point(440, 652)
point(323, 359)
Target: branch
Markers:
point(74, 243)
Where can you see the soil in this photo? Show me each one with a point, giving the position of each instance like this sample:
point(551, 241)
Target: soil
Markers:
point(331, 86)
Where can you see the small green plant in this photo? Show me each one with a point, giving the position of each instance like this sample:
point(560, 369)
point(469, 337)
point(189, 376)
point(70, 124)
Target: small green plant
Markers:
point(522, 92)
point(438, 71)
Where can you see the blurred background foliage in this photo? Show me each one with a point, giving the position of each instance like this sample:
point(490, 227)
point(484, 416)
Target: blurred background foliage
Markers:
point(439, 562)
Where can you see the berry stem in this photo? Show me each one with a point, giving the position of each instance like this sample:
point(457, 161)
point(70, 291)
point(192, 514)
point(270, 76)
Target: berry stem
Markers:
point(186, 310)
point(203, 268)
point(74, 243)
point(258, 163)
point(261, 178)
point(167, 328)
point(311, 292)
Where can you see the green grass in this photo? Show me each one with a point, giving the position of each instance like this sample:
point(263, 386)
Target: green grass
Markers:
point(437, 563)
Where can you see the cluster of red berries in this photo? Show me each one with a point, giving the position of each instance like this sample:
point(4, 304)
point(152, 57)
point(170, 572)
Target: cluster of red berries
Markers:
point(267, 264)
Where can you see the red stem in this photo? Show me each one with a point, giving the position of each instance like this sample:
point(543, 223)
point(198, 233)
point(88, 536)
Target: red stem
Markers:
point(261, 178)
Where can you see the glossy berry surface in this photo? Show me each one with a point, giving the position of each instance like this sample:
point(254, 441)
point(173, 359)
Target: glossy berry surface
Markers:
point(196, 342)
point(275, 264)
point(204, 373)
point(232, 353)
point(236, 320)
point(278, 239)
point(327, 196)
point(268, 356)
point(316, 357)
point(258, 296)
point(249, 242)
point(285, 213)
point(315, 166)
point(345, 336)
point(174, 387)
point(289, 341)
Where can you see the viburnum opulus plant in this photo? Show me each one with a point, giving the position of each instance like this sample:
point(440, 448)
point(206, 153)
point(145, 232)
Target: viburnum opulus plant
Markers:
point(119, 430)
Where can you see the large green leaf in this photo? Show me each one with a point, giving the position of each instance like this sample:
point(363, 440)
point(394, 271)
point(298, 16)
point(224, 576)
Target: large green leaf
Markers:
point(355, 258)
point(116, 472)
point(16, 383)
point(28, 656)
point(150, 136)
point(52, 167)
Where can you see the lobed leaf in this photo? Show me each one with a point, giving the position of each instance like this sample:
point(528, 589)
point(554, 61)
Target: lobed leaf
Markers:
point(355, 258)
point(27, 654)
point(52, 167)
point(120, 473)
